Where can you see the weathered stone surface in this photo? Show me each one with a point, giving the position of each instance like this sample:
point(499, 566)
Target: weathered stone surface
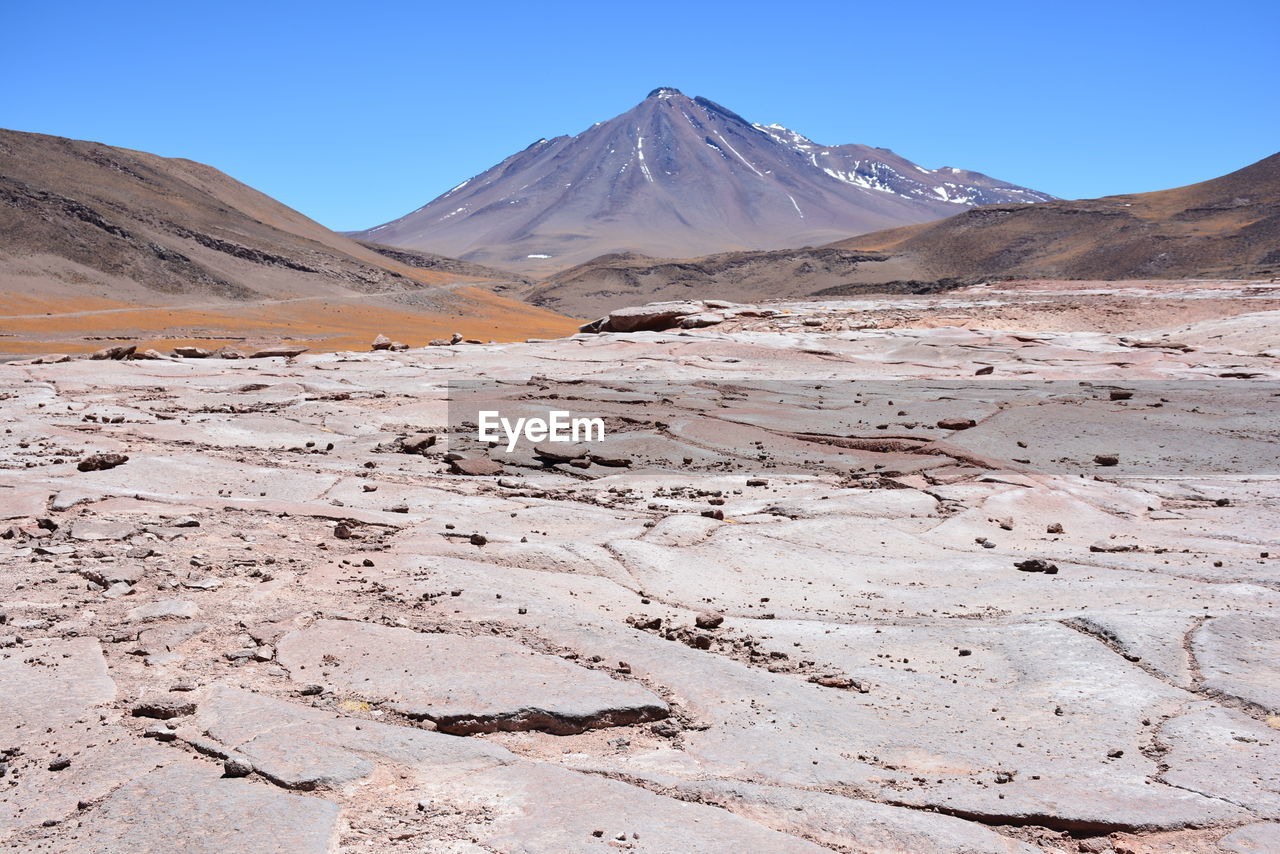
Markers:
point(189, 807)
point(854, 825)
point(176, 609)
point(1152, 639)
point(49, 681)
point(1260, 838)
point(464, 684)
point(1224, 754)
point(298, 747)
point(93, 530)
point(548, 810)
point(849, 548)
point(1239, 655)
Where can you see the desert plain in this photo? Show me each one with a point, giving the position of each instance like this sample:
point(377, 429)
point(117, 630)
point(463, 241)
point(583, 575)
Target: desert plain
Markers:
point(990, 570)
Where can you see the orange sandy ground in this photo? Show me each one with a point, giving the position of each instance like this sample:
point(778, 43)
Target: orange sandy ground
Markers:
point(324, 325)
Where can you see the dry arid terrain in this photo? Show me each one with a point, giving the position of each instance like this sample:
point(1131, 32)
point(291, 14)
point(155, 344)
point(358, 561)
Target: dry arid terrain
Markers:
point(995, 570)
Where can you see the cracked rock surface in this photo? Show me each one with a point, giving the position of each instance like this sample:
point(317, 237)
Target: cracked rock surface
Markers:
point(777, 609)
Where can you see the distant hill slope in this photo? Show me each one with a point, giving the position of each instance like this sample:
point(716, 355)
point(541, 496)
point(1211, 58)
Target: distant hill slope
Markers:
point(675, 176)
point(90, 227)
point(1227, 227)
point(420, 260)
point(151, 225)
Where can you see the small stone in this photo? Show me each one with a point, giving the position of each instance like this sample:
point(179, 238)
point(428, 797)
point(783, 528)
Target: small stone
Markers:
point(163, 708)
point(235, 766)
point(1037, 565)
point(956, 423)
point(478, 539)
point(644, 621)
point(1054, 528)
point(1107, 459)
point(60, 764)
point(175, 608)
point(475, 467)
point(101, 462)
point(834, 680)
point(559, 452)
point(418, 443)
point(282, 352)
point(160, 732)
point(708, 620)
point(1109, 546)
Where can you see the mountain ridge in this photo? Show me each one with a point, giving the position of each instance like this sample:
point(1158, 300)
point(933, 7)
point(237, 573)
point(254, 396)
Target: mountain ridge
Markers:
point(1226, 227)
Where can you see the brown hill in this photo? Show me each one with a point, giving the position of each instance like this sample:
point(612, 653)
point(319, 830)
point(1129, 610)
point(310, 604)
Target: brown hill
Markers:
point(1228, 226)
point(104, 242)
point(1225, 227)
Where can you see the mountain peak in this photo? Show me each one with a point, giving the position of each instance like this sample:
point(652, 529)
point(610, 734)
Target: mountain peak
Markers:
point(674, 177)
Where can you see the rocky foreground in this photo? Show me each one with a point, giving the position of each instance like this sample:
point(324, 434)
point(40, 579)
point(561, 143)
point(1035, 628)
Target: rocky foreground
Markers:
point(255, 606)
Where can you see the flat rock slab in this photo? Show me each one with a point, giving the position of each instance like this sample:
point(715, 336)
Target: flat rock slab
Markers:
point(189, 807)
point(177, 609)
point(49, 682)
point(299, 747)
point(1260, 838)
point(845, 824)
point(1224, 754)
point(541, 809)
point(17, 502)
point(1153, 639)
point(464, 684)
point(1240, 655)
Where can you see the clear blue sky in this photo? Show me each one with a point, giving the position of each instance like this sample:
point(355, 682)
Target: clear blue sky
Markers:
point(357, 113)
